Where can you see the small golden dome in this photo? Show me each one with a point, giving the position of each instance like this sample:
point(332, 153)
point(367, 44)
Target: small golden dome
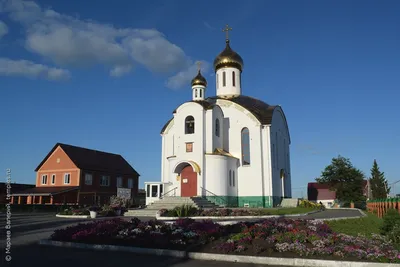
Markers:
point(199, 80)
point(228, 58)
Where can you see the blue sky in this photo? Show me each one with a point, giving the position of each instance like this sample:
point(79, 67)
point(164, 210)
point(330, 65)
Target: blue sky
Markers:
point(108, 76)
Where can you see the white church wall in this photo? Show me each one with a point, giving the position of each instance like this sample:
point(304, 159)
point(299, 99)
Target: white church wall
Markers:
point(208, 131)
point(280, 143)
point(216, 173)
point(176, 142)
point(249, 178)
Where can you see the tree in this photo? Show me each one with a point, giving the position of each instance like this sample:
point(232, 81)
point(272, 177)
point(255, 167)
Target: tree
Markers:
point(343, 178)
point(378, 183)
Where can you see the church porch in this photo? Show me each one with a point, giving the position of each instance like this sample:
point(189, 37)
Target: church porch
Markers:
point(155, 191)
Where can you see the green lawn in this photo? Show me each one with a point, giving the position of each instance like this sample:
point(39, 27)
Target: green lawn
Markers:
point(366, 225)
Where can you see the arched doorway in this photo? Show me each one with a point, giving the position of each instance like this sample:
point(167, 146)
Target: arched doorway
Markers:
point(188, 182)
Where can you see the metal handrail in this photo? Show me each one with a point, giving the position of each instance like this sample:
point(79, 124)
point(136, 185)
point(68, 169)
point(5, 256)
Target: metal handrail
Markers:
point(173, 189)
point(214, 195)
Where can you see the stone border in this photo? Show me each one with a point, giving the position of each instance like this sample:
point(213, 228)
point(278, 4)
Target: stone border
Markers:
point(160, 218)
point(219, 257)
point(73, 216)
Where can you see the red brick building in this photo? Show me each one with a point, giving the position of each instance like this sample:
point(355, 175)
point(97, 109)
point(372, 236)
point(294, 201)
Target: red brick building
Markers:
point(321, 193)
point(76, 175)
point(14, 188)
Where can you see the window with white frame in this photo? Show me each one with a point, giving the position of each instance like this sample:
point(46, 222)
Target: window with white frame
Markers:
point(44, 179)
point(105, 180)
point(130, 183)
point(67, 178)
point(53, 179)
point(119, 182)
point(88, 179)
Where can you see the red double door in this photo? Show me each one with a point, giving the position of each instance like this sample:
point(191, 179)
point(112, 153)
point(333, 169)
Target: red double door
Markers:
point(188, 182)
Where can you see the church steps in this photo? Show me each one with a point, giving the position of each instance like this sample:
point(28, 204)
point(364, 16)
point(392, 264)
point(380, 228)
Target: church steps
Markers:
point(170, 203)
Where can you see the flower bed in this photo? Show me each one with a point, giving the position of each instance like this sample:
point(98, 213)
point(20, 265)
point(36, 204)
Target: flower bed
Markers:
point(271, 237)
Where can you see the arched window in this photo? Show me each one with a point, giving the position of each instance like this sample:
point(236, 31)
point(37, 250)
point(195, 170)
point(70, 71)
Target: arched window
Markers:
point(245, 146)
point(200, 93)
point(195, 93)
point(224, 78)
point(217, 81)
point(217, 127)
point(189, 125)
point(230, 178)
point(233, 79)
point(233, 178)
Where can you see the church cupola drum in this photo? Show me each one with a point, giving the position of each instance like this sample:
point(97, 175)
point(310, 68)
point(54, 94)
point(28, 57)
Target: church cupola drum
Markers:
point(199, 84)
point(228, 66)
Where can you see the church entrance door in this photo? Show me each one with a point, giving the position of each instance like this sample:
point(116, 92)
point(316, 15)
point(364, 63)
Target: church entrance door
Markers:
point(188, 182)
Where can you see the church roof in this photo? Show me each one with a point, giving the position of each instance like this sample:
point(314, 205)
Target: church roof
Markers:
point(261, 110)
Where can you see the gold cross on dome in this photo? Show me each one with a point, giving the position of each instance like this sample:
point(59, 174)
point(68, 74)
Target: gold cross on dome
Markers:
point(198, 65)
point(226, 30)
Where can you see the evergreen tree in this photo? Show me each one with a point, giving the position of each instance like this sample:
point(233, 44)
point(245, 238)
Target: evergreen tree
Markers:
point(378, 183)
point(344, 179)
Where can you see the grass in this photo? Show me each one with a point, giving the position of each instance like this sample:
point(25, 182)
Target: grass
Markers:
point(366, 225)
point(280, 211)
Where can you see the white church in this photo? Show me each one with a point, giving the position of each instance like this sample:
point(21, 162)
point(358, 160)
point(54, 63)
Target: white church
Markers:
point(230, 148)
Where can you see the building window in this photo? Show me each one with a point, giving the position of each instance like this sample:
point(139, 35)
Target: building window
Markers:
point(233, 178)
point(119, 182)
point(224, 78)
point(200, 93)
point(276, 151)
point(189, 125)
point(88, 179)
point(245, 147)
point(273, 156)
point(189, 147)
point(195, 93)
point(148, 191)
point(67, 178)
point(233, 79)
point(154, 191)
point(217, 81)
point(230, 178)
point(130, 183)
point(217, 127)
point(53, 179)
point(44, 179)
point(105, 181)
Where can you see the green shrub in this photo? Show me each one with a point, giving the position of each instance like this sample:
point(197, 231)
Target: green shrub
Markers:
point(185, 211)
point(394, 234)
point(390, 220)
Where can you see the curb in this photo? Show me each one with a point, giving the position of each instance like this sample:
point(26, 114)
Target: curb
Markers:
point(73, 216)
point(158, 217)
point(219, 257)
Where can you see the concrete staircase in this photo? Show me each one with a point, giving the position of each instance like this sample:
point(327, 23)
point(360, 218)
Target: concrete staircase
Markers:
point(170, 203)
point(290, 202)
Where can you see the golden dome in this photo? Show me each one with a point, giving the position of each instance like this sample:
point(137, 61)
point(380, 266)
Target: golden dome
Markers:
point(228, 58)
point(199, 80)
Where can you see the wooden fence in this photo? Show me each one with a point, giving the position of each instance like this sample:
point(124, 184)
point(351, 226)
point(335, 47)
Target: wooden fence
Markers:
point(381, 206)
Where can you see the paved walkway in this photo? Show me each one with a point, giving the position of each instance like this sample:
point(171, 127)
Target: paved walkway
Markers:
point(28, 228)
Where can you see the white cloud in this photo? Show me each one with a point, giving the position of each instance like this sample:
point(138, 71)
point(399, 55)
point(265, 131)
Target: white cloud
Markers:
point(119, 71)
point(25, 68)
point(68, 41)
point(3, 29)
point(184, 77)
